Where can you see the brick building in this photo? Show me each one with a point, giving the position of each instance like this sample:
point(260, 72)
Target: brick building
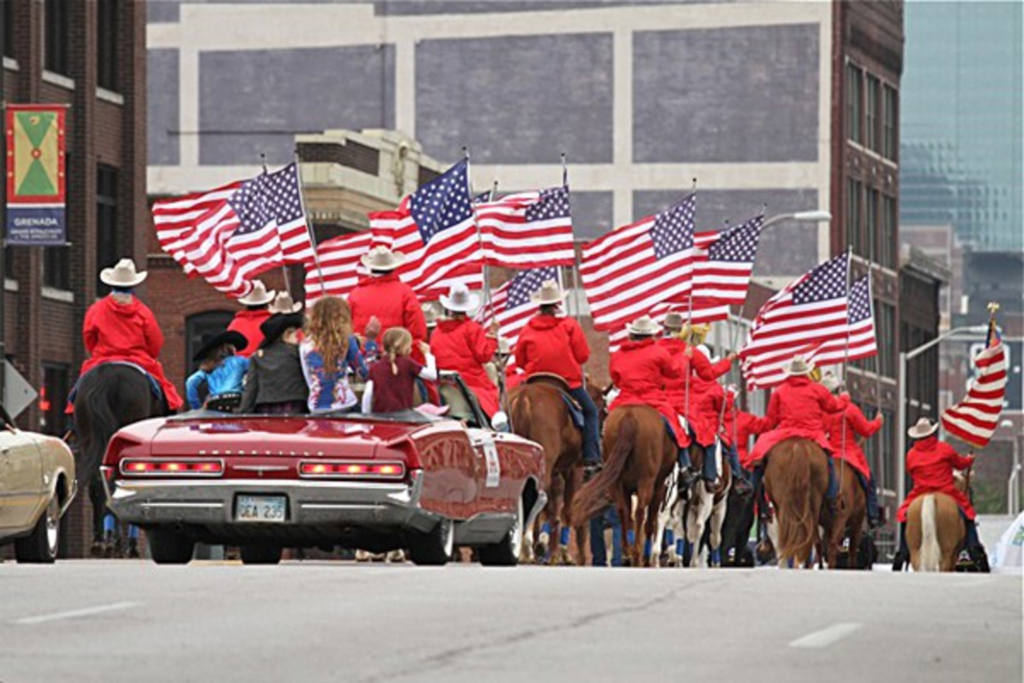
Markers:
point(89, 55)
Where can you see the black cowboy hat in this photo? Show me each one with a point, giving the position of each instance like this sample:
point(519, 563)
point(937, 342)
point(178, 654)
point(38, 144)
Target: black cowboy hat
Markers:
point(236, 339)
point(276, 325)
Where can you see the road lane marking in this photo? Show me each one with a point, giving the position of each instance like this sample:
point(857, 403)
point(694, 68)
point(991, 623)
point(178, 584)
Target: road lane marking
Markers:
point(73, 614)
point(826, 636)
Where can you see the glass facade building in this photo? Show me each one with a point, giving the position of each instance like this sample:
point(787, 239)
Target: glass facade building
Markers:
point(962, 121)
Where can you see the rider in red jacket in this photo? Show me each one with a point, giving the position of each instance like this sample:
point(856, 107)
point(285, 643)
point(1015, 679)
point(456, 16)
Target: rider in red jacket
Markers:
point(553, 344)
point(930, 464)
point(460, 344)
point(383, 296)
point(119, 327)
point(256, 312)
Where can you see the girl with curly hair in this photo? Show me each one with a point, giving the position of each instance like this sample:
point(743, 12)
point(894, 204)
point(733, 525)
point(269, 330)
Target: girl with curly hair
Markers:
point(329, 352)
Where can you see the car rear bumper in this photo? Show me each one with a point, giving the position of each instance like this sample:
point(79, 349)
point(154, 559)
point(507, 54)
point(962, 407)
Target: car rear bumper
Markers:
point(320, 507)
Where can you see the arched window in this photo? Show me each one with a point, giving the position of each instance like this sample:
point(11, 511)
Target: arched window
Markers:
point(199, 329)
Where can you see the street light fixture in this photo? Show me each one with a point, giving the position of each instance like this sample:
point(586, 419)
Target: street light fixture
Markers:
point(901, 412)
point(816, 216)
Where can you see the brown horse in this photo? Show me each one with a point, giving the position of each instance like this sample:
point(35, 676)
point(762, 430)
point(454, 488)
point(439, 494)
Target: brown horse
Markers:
point(935, 532)
point(795, 482)
point(538, 412)
point(848, 520)
point(639, 455)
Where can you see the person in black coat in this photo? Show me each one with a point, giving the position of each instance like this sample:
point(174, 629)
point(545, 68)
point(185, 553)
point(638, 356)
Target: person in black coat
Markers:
point(275, 384)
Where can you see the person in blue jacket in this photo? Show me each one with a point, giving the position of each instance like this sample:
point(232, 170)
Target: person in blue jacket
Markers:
point(221, 371)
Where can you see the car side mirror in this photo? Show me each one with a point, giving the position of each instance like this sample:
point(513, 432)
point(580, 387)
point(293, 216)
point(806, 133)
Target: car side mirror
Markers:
point(500, 422)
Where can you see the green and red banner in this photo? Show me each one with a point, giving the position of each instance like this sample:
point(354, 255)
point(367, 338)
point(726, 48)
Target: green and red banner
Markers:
point(35, 175)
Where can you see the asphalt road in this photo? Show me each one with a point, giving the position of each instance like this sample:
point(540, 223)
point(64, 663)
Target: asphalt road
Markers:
point(115, 621)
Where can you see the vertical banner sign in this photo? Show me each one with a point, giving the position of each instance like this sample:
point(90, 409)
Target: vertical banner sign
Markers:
point(35, 175)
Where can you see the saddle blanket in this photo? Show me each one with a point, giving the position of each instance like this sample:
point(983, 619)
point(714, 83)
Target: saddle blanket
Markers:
point(154, 384)
point(575, 412)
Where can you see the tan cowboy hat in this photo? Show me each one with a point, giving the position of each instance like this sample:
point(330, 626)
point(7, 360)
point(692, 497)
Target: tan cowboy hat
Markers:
point(923, 428)
point(430, 315)
point(460, 299)
point(798, 367)
point(549, 293)
point(643, 326)
point(259, 295)
point(382, 258)
point(673, 321)
point(122, 275)
point(830, 381)
point(284, 304)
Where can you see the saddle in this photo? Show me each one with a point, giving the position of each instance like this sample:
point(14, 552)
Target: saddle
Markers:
point(552, 380)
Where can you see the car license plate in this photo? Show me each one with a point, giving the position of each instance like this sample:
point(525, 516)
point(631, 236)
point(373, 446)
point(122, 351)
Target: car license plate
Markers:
point(260, 508)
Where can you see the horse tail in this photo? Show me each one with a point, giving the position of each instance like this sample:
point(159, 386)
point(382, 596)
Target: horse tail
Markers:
point(798, 528)
point(594, 494)
point(95, 421)
point(930, 555)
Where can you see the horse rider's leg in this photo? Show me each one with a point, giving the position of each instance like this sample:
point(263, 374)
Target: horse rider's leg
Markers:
point(739, 477)
point(871, 495)
point(591, 429)
point(710, 470)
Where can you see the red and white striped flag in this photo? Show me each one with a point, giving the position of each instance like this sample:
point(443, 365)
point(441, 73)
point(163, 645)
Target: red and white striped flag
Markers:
point(802, 319)
point(861, 340)
point(632, 269)
point(233, 233)
point(512, 306)
point(527, 230)
point(434, 228)
point(975, 418)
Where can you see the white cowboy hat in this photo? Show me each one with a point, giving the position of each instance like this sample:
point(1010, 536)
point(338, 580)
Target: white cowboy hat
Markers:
point(284, 304)
point(830, 381)
point(923, 428)
point(382, 258)
point(122, 275)
point(460, 299)
point(643, 326)
point(549, 293)
point(430, 315)
point(798, 366)
point(259, 295)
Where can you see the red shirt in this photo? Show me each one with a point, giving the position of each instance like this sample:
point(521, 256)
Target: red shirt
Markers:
point(247, 323)
point(554, 345)
point(126, 332)
point(639, 370)
point(930, 464)
point(797, 411)
point(392, 301)
point(703, 384)
point(462, 346)
point(856, 425)
point(392, 392)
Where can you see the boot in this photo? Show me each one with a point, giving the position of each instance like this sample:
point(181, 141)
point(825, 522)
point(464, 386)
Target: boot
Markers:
point(686, 478)
point(590, 470)
point(899, 561)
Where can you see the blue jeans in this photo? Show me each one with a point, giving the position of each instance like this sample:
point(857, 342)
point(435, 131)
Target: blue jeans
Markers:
point(734, 462)
point(871, 493)
point(610, 517)
point(591, 427)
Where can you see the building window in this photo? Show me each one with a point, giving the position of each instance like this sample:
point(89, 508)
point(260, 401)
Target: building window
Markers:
point(887, 236)
point(53, 398)
point(199, 329)
point(890, 102)
point(885, 329)
point(871, 104)
point(107, 38)
point(55, 17)
point(854, 102)
point(870, 234)
point(854, 229)
point(8, 28)
point(56, 266)
point(107, 252)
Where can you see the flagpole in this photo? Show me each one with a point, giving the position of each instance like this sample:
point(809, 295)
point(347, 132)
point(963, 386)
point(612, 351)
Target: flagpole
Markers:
point(846, 361)
point(575, 256)
point(488, 304)
point(309, 225)
point(689, 326)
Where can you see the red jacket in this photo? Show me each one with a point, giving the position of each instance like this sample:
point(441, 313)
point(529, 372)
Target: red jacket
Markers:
point(392, 301)
point(554, 345)
point(639, 370)
point(856, 425)
point(126, 332)
point(463, 347)
point(703, 419)
point(797, 411)
point(747, 425)
point(247, 323)
point(930, 464)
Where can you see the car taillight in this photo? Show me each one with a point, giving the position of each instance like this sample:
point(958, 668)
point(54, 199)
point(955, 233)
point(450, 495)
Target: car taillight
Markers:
point(352, 470)
point(175, 467)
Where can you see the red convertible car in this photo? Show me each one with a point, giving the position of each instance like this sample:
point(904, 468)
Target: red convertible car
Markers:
point(377, 482)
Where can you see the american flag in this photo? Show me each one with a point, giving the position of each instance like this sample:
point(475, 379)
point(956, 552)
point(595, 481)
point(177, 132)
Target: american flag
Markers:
point(434, 227)
point(528, 229)
point(511, 304)
point(632, 269)
point(805, 317)
point(233, 233)
point(975, 418)
point(861, 338)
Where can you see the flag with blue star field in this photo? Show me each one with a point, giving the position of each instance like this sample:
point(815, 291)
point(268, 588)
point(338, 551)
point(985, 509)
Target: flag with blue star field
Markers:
point(511, 305)
point(527, 229)
point(434, 228)
point(807, 316)
point(636, 267)
point(233, 233)
point(860, 338)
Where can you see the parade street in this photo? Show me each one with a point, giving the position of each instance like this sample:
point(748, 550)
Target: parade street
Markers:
point(126, 620)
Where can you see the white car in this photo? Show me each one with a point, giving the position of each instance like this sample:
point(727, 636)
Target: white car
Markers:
point(37, 485)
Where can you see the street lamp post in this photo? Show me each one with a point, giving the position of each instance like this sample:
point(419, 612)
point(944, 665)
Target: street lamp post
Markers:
point(1013, 483)
point(901, 412)
point(802, 216)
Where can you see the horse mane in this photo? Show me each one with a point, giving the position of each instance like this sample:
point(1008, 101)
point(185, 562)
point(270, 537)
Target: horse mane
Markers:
point(594, 494)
